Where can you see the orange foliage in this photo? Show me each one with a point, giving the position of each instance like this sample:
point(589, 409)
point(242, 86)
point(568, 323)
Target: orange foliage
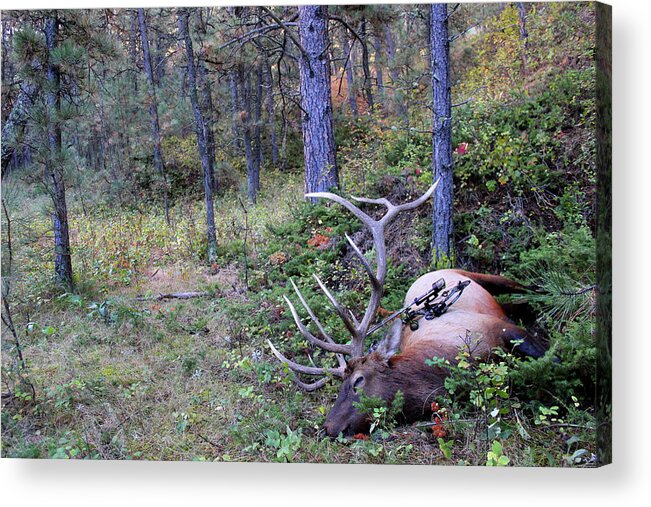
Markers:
point(320, 241)
point(440, 416)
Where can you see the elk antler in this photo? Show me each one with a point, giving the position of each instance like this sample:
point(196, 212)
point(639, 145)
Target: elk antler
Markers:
point(358, 330)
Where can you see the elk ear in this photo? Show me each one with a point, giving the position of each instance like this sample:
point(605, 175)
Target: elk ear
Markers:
point(390, 344)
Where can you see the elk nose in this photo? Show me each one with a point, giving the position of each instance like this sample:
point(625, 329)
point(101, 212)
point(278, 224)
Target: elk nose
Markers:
point(333, 432)
point(328, 429)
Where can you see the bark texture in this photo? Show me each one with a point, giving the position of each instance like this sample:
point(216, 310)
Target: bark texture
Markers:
point(159, 163)
point(54, 167)
point(200, 129)
point(443, 231)
point(271, 116)
point(321, 173)
point(368, 88)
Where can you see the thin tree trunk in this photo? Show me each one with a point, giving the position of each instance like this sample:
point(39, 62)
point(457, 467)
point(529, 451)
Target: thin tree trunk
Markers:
point(368, 89)
point(244, 83)
point(253, 176)
point(394, 74)
point(210, 115)
point(209, 118)
point(200, 128)
point(14, 127)
point(159, 163)
point(235, 109)
point(350, 77)
point(379, 77)
point(271, 117)
point(443, 234)
point(54, 168)
point(283, 144)
point(133, 51)
point(159, 58)
point(524, 35)
point(321, 173)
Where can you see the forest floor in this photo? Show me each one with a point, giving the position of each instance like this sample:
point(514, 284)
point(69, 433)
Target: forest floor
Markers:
point(172, 379)
point(119, 377)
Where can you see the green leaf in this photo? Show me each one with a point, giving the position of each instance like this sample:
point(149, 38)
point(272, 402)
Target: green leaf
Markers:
point(572, 440)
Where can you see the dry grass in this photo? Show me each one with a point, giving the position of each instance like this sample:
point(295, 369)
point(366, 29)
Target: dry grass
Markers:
point(178, 379)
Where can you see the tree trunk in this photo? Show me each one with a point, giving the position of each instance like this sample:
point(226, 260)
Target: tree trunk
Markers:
point(271, 117)
point(379, 77)
point(253, 172)
point(159, 163)
point(524, 35)
point(244, 93)
point(368, 88)
point(443, 235)
point(133, 51)
point(350, 77)
point(14, 127)
point(200, 129)
point(54, 167)
point(209, 118)
point(321, 173)
point(397, 98)
point(159, 59)
point(235, 109)
point(394, 74)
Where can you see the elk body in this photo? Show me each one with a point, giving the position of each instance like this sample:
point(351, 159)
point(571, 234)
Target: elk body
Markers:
point(398, 363)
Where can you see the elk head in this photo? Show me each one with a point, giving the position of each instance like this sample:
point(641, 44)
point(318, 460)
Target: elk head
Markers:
point(358, 371)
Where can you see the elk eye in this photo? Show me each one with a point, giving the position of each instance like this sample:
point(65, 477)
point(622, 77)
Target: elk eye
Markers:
point(359, 381)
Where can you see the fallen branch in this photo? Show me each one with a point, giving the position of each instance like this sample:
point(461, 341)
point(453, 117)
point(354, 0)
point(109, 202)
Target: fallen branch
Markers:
point(174, 295)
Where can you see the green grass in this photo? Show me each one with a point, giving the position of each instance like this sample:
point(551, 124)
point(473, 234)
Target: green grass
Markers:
point(118, 378)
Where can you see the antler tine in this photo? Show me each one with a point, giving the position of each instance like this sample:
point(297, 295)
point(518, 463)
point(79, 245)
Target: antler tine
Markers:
point(340, 310)
point(326, 336)
point(377, 228)
point(310, 387)
point(366, 220)
point(365, 263)
point(394, 210)
point(307, 370)
point(312, 315)
point(330, 346)
point(382, 200)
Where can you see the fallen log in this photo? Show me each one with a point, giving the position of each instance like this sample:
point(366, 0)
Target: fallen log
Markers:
point(174, 295)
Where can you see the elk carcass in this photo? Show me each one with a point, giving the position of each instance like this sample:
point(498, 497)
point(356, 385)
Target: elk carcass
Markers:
point(398, 363)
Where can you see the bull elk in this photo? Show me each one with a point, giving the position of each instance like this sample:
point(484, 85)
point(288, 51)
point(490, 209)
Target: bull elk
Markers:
point(397, 363)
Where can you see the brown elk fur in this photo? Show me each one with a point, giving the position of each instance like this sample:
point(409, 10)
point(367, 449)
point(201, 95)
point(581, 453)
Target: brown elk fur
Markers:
point(476, 321)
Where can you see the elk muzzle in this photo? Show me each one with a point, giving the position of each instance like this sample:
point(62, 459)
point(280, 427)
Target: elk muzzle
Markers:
point(344, 417)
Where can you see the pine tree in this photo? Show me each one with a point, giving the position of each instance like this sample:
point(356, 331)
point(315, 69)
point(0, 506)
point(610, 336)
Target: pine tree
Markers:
point(443, 209)
point(321, 171)
point(201, 132)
